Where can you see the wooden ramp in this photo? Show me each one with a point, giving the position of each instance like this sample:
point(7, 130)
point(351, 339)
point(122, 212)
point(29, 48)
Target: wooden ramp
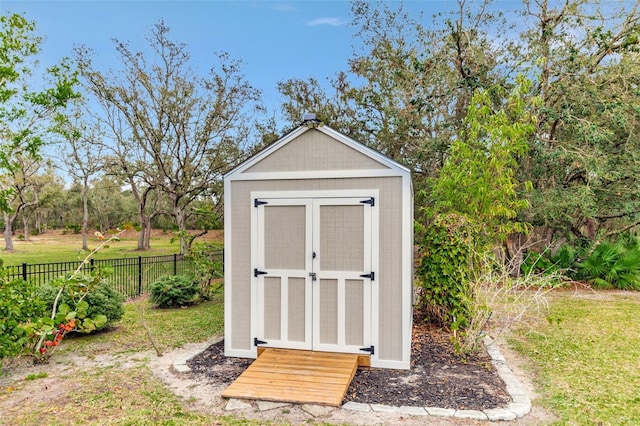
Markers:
point(296, 376)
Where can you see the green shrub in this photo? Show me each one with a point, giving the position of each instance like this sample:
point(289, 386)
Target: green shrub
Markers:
point(563, 262)
point(71, 229)
point(445, 269)
point(173, 290)
point(100, 300)
point(19, 305)
point(612, 265)
point(207, 259)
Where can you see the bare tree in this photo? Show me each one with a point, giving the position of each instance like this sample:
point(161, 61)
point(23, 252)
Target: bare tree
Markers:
point(83, 159)
point(175, 132)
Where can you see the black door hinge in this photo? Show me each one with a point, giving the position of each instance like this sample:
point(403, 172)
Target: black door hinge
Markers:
point(257, 202)
point(256, 272)
point(371, 201)
point(371, 276)
point(370, 349)
point(257, 342)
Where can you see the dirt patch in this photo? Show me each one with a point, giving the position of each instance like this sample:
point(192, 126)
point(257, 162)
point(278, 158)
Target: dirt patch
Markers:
point(199, 391)
point(437, 378)
point(213, 367)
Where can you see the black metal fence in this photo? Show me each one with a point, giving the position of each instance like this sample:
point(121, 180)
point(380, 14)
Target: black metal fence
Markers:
point(130, 276)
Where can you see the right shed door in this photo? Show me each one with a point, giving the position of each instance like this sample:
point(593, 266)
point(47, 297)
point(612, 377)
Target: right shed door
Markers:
point(342, 265)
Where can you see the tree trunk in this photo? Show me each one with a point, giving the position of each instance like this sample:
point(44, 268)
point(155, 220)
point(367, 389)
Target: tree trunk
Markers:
point(145, 229)
point(38, 224)
point(144, 236)
point(178, 214)
point(85, 212)
point(147, 233)
point(141, 236)
point(8, 232)
point(25, 227)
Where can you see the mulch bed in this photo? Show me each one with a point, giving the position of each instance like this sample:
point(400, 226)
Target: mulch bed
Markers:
point(437, 378)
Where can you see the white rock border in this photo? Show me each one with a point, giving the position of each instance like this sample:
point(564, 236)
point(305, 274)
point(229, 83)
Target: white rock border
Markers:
point(518, 408)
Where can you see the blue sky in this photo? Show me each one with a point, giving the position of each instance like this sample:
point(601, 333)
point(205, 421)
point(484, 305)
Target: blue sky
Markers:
point(277, 40)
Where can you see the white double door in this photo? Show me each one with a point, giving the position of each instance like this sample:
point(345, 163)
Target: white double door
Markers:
point(313, 271)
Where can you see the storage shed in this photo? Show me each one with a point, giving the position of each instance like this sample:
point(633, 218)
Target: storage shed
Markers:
point(318, 249)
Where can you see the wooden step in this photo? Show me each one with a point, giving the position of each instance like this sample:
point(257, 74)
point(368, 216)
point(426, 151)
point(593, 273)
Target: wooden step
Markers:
point(286, 375)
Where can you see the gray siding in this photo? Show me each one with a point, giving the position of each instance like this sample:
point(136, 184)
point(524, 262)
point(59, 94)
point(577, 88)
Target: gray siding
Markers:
point(314, 150)
point(390, 252)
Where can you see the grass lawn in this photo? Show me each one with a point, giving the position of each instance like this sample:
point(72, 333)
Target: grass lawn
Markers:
point(586, 357)
point(114, 395)
point(53, 246)
point(169, 328)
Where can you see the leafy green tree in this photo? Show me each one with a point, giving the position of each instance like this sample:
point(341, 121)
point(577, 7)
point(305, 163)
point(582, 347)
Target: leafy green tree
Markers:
point(308, 96)
point(418, 79)
point(24, 181)
point(40, 185)
point(51, 203)
point(407, 90)
point(476, 199)
point(407, 95)
point(583, 162)
point(479, 178)
point(110, 205)
point(27, 114)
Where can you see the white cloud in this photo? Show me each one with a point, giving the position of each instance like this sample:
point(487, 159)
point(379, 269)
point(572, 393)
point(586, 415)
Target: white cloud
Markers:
point(334, 22)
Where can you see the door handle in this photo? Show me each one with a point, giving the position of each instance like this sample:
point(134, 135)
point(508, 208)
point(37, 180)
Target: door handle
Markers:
point(313, 276)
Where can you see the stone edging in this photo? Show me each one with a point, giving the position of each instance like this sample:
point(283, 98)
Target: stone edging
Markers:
point(519, 407)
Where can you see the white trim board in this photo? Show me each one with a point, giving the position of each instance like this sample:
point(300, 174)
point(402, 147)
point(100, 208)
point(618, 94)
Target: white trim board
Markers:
point(319, 174)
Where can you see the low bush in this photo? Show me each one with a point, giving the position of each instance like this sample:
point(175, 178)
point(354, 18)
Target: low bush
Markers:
point(101, 301)
point(207, 259)
point(612, 265)
point(72, 229)
point(173, 290)
point(563, 262)
point(19, 305)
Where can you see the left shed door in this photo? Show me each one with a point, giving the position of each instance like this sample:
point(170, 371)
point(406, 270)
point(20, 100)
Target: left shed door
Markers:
point(284, 259)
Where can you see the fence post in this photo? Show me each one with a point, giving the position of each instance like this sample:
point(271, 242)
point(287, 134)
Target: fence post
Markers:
point(175, 264)
point(24, 271)
point(139, 275)
point(91, 264)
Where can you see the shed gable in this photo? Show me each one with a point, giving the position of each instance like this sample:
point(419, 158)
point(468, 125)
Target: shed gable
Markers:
point(314, 151)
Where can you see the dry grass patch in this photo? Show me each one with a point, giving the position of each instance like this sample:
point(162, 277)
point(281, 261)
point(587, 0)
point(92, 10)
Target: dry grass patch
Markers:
point(105, 396)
